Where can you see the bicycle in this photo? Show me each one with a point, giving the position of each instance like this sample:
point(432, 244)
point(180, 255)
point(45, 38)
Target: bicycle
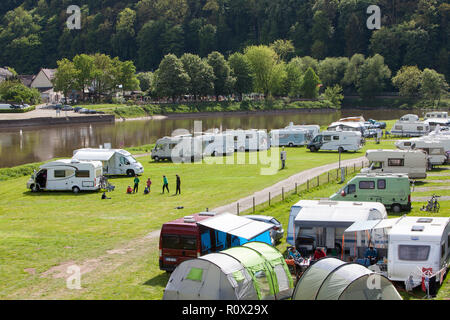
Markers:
point(432, 204)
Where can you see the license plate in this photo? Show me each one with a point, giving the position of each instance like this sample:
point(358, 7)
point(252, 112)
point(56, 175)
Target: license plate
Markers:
point(171, 259)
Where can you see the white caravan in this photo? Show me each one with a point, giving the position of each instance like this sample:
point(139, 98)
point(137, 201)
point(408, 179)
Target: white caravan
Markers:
point(414, 163)
point(289, 137)
point(336, 140)
point(434, 148)
point(67, 174)
point(182, 148)
point(321, 223)
point(349, 126)
point(436, 115)
point(217, 144)
point(115, 161)
point(313, 129)
point(249, 140)
point(413, 245)
point(410, 126)
point(416, 243)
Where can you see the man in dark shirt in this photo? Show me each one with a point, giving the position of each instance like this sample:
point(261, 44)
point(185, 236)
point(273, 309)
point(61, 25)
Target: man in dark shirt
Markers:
point(178, 185)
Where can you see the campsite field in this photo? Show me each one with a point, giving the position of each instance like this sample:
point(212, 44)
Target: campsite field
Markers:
point(280, 211)
point(41, 234)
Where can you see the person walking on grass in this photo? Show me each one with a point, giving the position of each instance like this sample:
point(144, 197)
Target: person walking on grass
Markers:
point(136, 184)
point(165, 184)
point(149, 184)
point(283, 158)
point(178, 185)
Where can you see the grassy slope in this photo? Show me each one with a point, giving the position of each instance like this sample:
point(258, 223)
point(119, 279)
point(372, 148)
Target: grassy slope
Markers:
point(43, 230)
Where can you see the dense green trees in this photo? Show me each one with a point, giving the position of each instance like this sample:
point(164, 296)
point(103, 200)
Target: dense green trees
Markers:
point(33, 33)
point(15, 91)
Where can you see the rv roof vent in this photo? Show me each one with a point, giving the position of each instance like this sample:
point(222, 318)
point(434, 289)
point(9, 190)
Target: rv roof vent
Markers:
point(357, 203)
point(417, 228)
point(424, 220)
point(189, 219)
point(207, 213)
point(327, 201)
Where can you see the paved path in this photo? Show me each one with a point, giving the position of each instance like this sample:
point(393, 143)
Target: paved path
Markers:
point(419, 199)
point(424, 189)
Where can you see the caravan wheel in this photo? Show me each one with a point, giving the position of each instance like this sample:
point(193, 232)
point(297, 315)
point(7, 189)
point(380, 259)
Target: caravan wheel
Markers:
point(396, 208)
point(290, 144)
point(76, 190)
point(156, 159)
point(130, 173)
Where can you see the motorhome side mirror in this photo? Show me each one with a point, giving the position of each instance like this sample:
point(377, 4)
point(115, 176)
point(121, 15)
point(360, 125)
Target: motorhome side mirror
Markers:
point(343, 193)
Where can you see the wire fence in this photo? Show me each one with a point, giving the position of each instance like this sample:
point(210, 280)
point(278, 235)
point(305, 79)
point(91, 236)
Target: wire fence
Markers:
point(331, 176)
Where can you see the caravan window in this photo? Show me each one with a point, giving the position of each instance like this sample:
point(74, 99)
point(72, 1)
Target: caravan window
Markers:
point(381, 184)
point(398, 127)
point(351, 188)
point(367, 184)
point(326, 138)
point(98, 172)
point(419, 128)
point(60, 173)
point(396, 162)
point(82, 174)
point(335, 137)
point(407, 144)
point(179, 242)
point(413, 252)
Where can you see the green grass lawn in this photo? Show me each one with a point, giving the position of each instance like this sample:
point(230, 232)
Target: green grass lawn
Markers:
point(38, 231)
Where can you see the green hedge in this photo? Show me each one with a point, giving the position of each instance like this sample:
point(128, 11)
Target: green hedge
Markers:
point(19, 171)
point(31, 108)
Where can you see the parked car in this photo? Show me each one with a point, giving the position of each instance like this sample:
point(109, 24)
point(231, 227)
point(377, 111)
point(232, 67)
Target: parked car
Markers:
point(76, 109)
point(67, 108)
point(16, 106)
point(83, 110)
point(277, 232)
point(377, 124)
point(92, 111)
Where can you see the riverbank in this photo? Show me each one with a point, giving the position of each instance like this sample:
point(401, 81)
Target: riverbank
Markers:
point(46, 117)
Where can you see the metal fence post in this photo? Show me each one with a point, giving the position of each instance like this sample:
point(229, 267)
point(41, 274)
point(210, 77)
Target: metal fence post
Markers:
point(269, 199)
point(237, 208)
point(296, 188)
point(307, 185)
point(318, 180)
point(253, 204)
point(282, 193)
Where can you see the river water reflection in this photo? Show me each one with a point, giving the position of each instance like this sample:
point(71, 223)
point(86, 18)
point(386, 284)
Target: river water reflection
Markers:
point(43, 143)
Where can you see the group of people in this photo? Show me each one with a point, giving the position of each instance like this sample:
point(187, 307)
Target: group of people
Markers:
point(149, 184)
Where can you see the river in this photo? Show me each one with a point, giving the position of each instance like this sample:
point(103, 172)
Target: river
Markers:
point(43, 143)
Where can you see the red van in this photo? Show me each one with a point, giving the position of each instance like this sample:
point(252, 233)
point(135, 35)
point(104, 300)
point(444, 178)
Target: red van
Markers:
point(181, 239)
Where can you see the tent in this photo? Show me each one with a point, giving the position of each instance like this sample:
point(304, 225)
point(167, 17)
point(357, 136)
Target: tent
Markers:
point(254, 271)
point(333, 279)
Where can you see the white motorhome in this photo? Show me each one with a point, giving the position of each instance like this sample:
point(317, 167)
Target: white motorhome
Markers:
point(289, 137)
point(410, 126)
point(321, 223)
point(336, 140)
point(182, 148)
point(436, 115)
point(313, 129)
point(414, 244)
point(349, 126)
point(414, 163)
point(67, 174)
point(217, 144)
point(115, 161)
point(250, 140)
point(434, 148)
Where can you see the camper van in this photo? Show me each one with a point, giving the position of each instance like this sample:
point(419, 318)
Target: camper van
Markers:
point(115, 161)
point(409, 246)
point(313, 129)
point(217, 144)
point(321, 223)
point(182, 148)
point(349, 126)
point(250, 140)
point(436, 115)
point(416, 243)
point(434, 148)
point(336, 140)
point(67, 174)
point(289, 137)
point(392, 190)
point(410, 126)
point(411, 162)
point(205, 232)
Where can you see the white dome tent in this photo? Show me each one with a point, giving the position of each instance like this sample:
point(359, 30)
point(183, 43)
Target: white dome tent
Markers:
point(333, 279)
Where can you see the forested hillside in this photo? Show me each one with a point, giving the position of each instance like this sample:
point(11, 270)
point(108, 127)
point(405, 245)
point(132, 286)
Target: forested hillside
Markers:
point(33, 33)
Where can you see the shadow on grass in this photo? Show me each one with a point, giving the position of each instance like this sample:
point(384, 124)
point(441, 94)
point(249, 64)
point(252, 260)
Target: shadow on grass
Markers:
point(61, 193)
point(439, 169)
point(159, 280)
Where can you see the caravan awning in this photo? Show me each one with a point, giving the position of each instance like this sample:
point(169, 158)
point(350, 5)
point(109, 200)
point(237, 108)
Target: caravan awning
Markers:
point(372, 225)
point(92, 155)
point(237, 226)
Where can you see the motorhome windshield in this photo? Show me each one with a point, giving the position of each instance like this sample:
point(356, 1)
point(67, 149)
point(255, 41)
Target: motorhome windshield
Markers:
point(318, 138)
point(376, 165)
point(131, 159)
